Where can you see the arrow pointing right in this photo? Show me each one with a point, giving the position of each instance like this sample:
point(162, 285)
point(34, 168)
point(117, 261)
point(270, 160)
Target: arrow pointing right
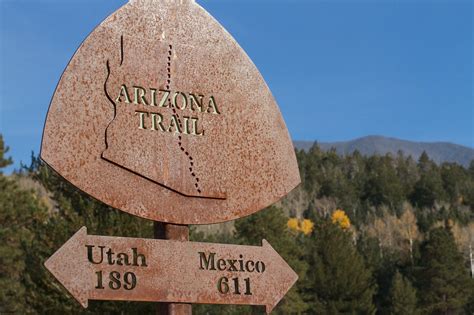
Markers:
point(118, 268)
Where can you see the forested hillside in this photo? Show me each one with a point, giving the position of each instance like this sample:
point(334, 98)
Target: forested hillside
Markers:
point(439, 152)
point(367, 235)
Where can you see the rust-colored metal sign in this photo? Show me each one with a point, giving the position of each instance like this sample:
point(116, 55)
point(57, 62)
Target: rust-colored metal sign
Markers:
point(117, 268)
point(161, 114)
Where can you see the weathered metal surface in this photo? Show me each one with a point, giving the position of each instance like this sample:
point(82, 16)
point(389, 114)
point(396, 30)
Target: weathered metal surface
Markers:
point(116, 268)
point(176, 233)
point(113, 131)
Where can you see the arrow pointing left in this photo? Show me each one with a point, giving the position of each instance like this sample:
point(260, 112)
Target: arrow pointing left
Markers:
point(118, 268)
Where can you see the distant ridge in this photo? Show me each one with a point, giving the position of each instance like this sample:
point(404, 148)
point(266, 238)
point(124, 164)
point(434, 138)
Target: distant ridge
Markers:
point(438, 151)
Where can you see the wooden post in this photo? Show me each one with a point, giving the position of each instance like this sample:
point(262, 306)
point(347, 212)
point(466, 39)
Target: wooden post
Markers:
point(175, 232)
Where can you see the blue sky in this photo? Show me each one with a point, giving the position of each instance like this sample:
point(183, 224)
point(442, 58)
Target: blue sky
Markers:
point(338, 69)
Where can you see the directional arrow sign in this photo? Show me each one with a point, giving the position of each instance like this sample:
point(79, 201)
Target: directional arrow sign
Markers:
point(95, 267)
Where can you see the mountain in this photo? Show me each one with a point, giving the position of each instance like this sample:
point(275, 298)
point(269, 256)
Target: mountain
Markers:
point(438, 151)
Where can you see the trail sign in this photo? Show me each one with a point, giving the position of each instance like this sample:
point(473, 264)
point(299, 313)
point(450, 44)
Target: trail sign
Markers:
point(116, 268)
point(161, 114)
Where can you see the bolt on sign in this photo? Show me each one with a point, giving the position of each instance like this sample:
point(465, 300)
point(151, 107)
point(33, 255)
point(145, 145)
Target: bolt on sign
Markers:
point(161, 114)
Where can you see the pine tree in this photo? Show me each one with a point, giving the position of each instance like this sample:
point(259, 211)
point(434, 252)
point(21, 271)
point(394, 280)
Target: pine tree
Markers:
point(402, 296)
point(20, 214)
point(429, 188)
point(425, 164)
point(407, 172)
point(471, 169)
point(454, 178)
point(271, 224)
point(73, 209)
point(338, 281)
point(4, 161)
point(444, 281)
point(383, 186)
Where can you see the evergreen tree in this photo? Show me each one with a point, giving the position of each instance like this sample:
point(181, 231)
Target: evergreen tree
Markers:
point(333, 277)
point(21, 213)
point(271, 224)
point(310, 163)
point(425, 164)
point(4, 161)
point(455, 179)
point(407, 173)
point(429, 188)
point(471, 169)
point(383, 186)
point(338, 281)
point(444, 281)
point(402, 296)
point(74, 209)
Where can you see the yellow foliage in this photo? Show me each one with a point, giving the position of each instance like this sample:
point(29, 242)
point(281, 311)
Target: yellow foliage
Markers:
point(305, 226)
point(339, 217)
point(293, 224)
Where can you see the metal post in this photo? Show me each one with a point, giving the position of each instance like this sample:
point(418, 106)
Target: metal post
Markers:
point(178, 233)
